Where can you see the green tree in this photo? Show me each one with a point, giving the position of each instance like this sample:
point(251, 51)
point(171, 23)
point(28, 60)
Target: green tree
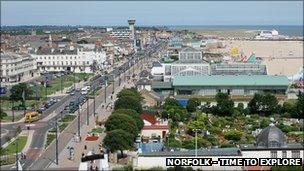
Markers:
point(290, 108)
point(133, 114)
point(128, 102)
point(2, 114)
point(17, 91)
point(118, 140)
point(123, 122)
point(224, 105)
point(263, 104)
point(170, 102)
point(255, 104)
point(233, 135)
point(300, 105)
point(270, 104)
point(193, 103)
point(129, 92)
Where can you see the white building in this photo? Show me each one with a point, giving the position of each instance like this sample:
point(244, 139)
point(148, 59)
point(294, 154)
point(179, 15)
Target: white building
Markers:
point(190, 63)
point(16, 68)
point(80, 60)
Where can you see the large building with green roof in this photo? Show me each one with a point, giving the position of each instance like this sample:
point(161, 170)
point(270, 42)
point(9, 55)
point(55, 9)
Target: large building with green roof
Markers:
point(239, 85)
point(231, 84)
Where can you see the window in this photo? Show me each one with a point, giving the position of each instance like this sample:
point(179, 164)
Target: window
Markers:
point(295, 154)
point(273, 154)
point(284, 154)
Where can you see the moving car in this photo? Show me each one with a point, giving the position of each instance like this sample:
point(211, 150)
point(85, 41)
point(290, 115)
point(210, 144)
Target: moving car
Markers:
point(31, 117)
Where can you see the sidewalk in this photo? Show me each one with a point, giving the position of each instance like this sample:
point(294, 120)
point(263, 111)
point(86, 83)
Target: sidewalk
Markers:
point(102, 113)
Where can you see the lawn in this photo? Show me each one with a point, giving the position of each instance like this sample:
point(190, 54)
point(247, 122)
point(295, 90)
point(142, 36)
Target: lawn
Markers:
point(11, 148)
point(55, 84)
point(49, 138)
point(10, 118)
point(61, 127)
point(97, 130)
point(7, 104)
point(68, 118)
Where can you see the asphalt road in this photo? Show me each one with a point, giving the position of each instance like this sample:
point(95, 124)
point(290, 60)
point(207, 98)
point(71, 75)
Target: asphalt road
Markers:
point(41, 128)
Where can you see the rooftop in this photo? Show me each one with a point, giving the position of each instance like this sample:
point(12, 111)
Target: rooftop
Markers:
point(231, 80)
point(200, 152)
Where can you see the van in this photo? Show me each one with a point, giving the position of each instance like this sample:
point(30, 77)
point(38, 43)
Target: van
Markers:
point(31, 117)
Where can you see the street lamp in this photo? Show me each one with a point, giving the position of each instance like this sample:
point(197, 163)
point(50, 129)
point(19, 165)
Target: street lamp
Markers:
point(94, 104)
point(196, 130)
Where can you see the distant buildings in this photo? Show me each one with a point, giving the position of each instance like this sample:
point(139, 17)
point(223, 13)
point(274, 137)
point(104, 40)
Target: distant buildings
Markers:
point(16, 68)
point(84, 59)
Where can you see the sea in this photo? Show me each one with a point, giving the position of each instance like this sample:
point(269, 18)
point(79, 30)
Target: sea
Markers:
point(287, 30)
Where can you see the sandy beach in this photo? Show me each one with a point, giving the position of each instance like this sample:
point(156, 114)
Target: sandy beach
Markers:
point(280, 57)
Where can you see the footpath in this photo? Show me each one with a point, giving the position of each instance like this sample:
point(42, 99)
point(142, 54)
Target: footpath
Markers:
point(102, 113)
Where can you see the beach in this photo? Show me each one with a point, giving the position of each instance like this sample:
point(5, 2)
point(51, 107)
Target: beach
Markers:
point(280, 57)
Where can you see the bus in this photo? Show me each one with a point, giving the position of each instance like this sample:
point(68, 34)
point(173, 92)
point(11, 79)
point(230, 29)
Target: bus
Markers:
point(31, 117)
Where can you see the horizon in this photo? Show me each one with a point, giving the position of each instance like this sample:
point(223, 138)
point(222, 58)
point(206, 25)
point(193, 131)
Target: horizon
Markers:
point(149, 13)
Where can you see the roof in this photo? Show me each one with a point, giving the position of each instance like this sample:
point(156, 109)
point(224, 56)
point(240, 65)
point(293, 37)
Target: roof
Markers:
point(192, 61)
point(143, 81)
point(189, 49)
point(144, 73)
point(200, 152)
point(156, 64)
point(271, 136)
point(148, 117)
point(288, 146)
point(230, 80)
point(161, 85)
point(149, 127)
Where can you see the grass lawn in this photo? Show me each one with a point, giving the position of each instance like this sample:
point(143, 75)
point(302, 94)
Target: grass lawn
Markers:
point(61, 127)
point(11, 148)
point(10, 118)
point(68, 118)
point(97, 130)
point(49, 138)
point(7, 104)
point(55, 84)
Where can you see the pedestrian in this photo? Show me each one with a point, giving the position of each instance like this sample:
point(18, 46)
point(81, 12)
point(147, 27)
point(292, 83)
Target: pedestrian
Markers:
point(96, 168)
point(85, 147)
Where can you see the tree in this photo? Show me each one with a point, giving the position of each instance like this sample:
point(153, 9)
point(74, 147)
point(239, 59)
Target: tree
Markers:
point(233, 135)
point(290, 108)
point(170, 102)
point(193, 103)
point(2, 114)
point(130, 92)
point(123, 122)
point(300, 105)
point(128, 102)
point(17, 92)
point(224, 104)
point(270, 104)
point(118, 140)
point(263, 104)
point(133, 114)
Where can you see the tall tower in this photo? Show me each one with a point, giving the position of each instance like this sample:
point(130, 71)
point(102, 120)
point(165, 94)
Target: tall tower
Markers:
point(131, 27)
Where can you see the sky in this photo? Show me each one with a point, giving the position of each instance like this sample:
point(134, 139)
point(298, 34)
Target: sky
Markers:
point(108, 13)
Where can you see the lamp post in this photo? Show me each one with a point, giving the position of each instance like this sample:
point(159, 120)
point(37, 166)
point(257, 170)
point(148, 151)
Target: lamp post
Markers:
point(56, 127)
point(61, 87)
point(196, 140)
point(105, 91)
point(88, 111)
point(78, 118)
point(94, 104)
